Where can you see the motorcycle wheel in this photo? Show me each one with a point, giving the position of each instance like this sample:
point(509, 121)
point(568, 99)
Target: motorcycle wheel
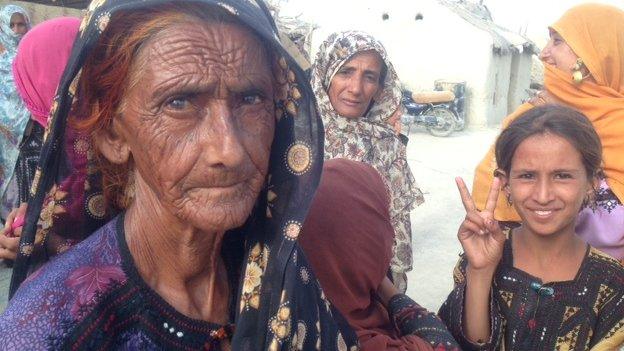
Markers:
point(459, 124)
point(446, 122)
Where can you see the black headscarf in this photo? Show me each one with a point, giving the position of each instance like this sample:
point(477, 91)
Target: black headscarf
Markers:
point(285, 308)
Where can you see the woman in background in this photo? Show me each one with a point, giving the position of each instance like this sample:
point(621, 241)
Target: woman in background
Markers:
point(14, 23)
point(358, 92)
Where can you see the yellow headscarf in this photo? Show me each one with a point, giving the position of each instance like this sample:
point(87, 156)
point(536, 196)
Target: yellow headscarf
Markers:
point(596, 34)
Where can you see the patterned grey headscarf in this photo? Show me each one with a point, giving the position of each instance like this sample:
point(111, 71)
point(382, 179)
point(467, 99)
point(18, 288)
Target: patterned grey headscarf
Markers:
point(369, 139)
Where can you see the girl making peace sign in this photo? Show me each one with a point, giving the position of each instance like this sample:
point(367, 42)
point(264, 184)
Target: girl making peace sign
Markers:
point(539, 286)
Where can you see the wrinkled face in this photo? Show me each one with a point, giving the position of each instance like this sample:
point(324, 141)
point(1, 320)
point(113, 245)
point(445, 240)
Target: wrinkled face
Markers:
point(18, 24)
point(199, 124)
point(557, 53)
point(355, 84)
point(548, 184)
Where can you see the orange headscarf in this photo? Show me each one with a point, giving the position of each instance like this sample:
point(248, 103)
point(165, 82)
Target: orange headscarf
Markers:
point(596, 34)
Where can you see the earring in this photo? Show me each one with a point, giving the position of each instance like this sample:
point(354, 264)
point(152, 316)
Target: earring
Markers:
point(577, 72)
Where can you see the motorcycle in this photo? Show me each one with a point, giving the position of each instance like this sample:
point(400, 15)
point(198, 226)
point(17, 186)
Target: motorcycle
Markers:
point(459, 103)
point(441, 111)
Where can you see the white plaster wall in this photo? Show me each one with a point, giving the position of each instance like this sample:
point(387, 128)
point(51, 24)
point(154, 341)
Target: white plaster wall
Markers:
point(497, 89)
point(440, 46)
point(520, 80)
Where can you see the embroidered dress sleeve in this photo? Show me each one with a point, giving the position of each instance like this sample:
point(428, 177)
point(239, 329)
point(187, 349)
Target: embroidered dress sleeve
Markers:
point(39, 311)
point(409, 318)
point(452, 313)
point(609, 333)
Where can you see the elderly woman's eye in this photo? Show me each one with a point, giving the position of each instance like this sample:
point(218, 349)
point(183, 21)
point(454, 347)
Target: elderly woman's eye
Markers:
point(372, 78)
point(343, 72)
point(178, 102)
point(252, 98)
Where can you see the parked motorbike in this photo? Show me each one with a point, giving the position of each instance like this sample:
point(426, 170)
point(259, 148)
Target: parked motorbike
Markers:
point(441, 112)
point(458, 106)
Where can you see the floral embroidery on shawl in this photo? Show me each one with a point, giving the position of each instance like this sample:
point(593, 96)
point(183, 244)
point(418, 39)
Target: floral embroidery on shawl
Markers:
point(369, 139)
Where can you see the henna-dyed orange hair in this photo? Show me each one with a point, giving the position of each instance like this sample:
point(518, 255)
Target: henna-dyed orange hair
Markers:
point(112, 68)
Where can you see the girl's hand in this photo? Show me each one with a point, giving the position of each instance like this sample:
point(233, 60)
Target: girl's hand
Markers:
point(479, 234)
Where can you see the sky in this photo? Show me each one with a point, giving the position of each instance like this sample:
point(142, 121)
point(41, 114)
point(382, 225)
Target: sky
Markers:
point(531, 16)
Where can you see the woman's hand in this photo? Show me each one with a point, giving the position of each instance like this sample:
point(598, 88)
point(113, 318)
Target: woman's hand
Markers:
point(386, 291)
point(10, 234)
point(544, 97)
point(479, 234)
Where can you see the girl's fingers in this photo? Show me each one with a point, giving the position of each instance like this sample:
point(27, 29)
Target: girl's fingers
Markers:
point(490, 204)
point(475, 223)
point(494, 228)
point(496, 231)
point(469, 204)
point(469, 226)
point(476, 218)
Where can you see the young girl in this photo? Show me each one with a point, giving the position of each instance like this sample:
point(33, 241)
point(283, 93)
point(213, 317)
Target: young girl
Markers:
point(540, 287)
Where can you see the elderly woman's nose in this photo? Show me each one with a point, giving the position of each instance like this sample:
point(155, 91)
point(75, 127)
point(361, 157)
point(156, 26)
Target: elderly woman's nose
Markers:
point(355, 84)
point(222, 136)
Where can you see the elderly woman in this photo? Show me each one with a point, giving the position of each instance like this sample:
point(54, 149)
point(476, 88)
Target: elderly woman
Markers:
point(203, 150)
point(14, 23)
point(584, 69)
point(357, 92)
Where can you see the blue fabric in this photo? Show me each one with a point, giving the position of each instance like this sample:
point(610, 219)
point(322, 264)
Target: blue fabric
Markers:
point(13, 113)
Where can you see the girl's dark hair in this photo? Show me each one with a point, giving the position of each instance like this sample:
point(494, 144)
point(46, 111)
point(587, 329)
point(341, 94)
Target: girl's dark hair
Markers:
point(554, 119)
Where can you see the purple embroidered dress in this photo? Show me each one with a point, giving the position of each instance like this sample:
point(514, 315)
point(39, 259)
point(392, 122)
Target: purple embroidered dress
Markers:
point(92, 297)
point(603, 228)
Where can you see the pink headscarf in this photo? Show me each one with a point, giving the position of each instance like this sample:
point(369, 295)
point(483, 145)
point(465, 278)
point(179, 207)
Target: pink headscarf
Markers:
point(40, 61)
